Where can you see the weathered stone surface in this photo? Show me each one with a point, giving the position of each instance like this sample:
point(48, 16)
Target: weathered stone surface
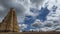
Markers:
point(9, 23)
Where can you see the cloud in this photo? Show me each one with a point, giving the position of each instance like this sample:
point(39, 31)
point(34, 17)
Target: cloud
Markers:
point(37, 30)
point(47, 29)
point(22, 26)
point(2, 8)
point(22, 7)
point(49, 25)
point(52, 23)
point(43, 13)
point(36, 3)
point(37, 23)
point(12, 3)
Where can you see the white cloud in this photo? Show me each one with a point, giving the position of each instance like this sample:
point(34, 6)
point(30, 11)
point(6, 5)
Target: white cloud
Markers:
point(22, 26)
point(47, 29)
point(36, 3)
point(37, 30)
point(48, 25)
point(37, 23)
point(53, 18)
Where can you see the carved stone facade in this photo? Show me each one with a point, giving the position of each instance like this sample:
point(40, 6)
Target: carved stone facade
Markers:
point(9, 23)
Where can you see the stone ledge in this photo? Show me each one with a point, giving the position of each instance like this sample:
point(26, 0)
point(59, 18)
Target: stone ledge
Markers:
point(29, 32)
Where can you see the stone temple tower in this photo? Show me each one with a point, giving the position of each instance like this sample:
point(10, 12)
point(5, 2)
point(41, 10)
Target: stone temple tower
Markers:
point(9, 23)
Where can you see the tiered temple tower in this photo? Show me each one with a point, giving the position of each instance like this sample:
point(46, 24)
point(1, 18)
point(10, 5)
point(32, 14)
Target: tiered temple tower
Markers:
point(9, 23)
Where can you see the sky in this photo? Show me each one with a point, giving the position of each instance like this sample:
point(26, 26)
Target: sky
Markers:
point(36, 15)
